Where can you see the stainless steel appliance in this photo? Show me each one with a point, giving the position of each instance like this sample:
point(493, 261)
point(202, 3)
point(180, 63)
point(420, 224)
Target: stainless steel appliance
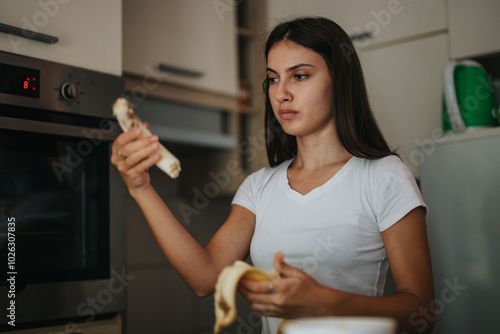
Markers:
point(62, 230)
point(461, 185)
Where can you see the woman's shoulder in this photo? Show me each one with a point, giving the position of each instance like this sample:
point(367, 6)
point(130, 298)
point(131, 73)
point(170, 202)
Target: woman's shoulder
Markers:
point(385, 162)
point(266, 173)
point(386, 166)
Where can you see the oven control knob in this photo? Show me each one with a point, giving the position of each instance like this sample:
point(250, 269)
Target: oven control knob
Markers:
point(69, 91)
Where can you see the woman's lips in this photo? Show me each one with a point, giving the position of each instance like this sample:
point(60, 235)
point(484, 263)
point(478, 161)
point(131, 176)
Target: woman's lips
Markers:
point(287, 113)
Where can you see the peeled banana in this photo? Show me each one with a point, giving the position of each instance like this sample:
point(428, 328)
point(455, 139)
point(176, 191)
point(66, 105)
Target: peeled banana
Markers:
point(128, 120)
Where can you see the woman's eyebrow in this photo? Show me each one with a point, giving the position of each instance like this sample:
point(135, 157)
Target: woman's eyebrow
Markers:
point(291, 68)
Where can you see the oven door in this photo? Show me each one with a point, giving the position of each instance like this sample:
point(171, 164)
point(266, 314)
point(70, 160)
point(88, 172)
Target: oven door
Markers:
point(57, 187)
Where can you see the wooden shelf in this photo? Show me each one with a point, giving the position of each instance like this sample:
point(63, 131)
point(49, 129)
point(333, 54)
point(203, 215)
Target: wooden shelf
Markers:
point(179, 93)
point(251, 16)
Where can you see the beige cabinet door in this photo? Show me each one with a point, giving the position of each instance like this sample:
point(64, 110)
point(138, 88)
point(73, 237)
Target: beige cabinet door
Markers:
point(194, 40)
point(405, 88)
point(385, 20)
point(89, 32)
point(474, 27)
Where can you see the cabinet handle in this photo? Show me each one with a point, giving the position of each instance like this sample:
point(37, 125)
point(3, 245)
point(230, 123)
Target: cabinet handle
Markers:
point(361, 36)
point(178, 70)
point(29, 34)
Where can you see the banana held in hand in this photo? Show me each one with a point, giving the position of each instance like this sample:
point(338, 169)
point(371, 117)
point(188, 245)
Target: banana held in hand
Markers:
point(128, 120)
point(225, 290)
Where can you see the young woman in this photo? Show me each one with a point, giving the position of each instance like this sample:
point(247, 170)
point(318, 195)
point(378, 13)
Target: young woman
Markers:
point(330, 214)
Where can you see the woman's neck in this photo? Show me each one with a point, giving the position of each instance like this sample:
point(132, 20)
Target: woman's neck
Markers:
point(318, 150)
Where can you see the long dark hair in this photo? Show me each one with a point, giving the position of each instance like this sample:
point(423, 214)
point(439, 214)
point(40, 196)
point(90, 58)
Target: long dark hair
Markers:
point(354, 121)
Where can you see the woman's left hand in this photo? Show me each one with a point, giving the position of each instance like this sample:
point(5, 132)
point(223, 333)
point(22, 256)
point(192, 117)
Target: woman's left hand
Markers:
point(294, 294)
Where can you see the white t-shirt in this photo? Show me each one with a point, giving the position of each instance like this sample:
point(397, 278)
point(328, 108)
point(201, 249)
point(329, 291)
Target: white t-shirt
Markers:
point(333, 232)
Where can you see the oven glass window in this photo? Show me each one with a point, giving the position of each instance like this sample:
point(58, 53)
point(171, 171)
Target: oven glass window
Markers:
point(57, 190)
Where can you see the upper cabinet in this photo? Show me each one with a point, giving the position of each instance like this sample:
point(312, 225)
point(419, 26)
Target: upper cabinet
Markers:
point(405, 86)
point(474, 27)
point(88, 32)
point(189, 43)
point(370, 22)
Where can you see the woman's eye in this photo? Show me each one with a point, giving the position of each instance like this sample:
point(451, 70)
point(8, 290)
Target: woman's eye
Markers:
point(300, 76)
point(272, 80)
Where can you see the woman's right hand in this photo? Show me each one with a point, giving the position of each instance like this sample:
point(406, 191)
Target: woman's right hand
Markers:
point(133, 156)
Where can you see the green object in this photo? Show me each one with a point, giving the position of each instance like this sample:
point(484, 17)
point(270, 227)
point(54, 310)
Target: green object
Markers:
point(469, 99)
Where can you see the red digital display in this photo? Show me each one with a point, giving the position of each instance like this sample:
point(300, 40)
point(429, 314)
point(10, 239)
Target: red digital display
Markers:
point(30, 84)
point(18, 80)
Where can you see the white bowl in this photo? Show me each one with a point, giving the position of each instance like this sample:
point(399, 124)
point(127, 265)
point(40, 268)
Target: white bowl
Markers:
point(340, 325)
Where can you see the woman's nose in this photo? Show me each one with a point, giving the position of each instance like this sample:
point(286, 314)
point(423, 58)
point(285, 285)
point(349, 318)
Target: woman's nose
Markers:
point(282, 92)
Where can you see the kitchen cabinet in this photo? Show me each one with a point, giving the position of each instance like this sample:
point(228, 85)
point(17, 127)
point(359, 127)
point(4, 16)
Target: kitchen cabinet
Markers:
point(242, 119)
point(197, 40)
point(89, 32)
point(189, 43)
point(385, 20)
point(474, 27)
point(158, 301)
point(405, 88)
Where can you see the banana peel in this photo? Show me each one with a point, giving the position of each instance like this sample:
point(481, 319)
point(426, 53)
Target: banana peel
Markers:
point(225, 290)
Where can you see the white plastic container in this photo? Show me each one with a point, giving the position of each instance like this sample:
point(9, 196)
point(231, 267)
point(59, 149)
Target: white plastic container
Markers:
point(341, 325)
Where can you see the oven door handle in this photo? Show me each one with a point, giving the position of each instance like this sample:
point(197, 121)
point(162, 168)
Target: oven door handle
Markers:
point(108, 134)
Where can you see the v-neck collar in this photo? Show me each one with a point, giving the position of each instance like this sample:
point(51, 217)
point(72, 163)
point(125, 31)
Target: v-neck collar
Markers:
point(314, 193)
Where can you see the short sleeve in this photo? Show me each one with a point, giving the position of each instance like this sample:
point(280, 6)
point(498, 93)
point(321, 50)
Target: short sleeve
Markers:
point(245, 195)
point(395, 192)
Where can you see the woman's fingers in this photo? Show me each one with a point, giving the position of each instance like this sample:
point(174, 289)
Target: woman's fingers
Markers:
point(116, 148)
point(128, 150)
point(286, 296)
point(134, 146)
point(139, 150)
point(133, 156)
point(262, 291)
point(125, 138)
point(255, 286)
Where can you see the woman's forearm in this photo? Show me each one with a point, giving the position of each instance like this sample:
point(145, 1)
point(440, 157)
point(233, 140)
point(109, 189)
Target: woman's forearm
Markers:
point(412, 313)
point(191, 261)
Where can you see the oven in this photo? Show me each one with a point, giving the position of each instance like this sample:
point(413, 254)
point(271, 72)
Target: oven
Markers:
point(62, 223)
